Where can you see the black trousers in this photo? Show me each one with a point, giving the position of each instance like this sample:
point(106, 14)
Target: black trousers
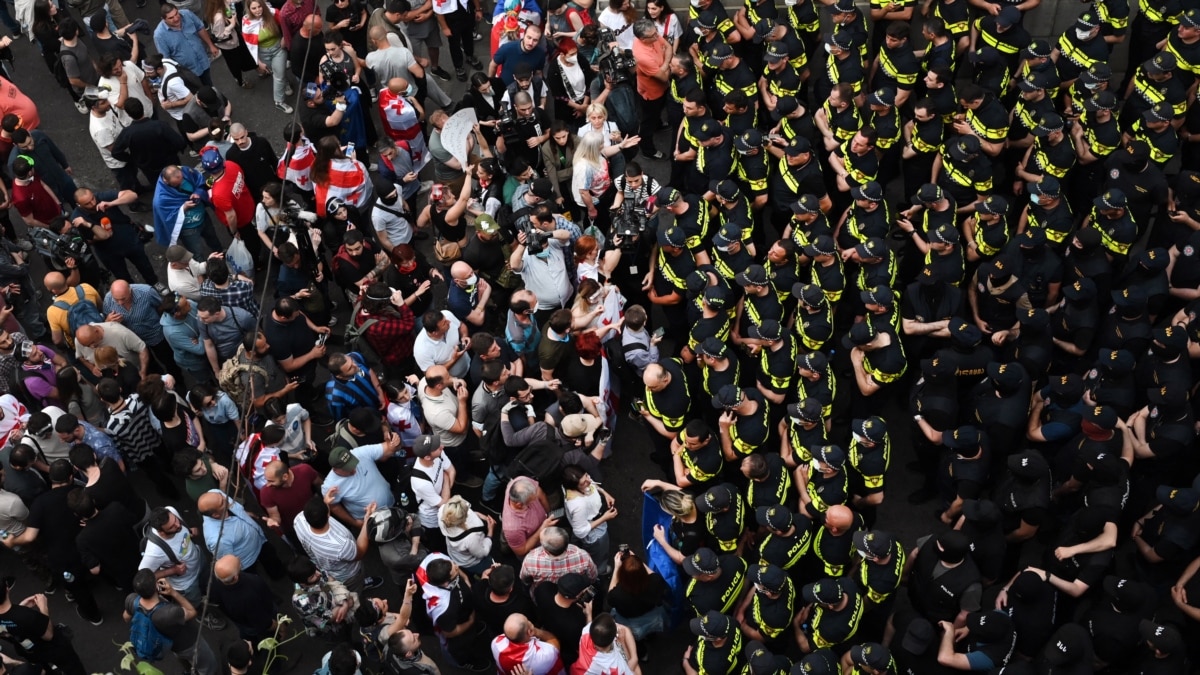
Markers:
point(652, 111)
point(461, 41)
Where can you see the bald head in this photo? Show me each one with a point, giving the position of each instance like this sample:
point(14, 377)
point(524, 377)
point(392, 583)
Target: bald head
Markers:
point(377, 34)
point(312, 25)
point(517, 628)
point(227, 568)
point(398, 85)
point(655, 376)
point(211, 504)
point(55, 282)
point(88, 335)
point(460, 270)
point(839, 517)
point(121, 291)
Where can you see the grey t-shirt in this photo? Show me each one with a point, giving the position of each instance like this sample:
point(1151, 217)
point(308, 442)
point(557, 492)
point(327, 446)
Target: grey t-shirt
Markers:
point(227, 335)
point(442, 173)
point(77, 63)
point(391, 62)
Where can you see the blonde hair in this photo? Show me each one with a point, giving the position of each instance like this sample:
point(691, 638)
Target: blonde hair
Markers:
point(106, 357)
point(677, 503)
point(597, 109)
point(454, 512)
point(591, 147)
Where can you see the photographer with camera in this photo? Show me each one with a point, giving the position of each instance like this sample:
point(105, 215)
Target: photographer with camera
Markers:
point(523, 128)
point(540, 258)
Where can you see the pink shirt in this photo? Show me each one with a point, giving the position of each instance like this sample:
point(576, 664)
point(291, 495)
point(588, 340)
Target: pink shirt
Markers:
point(520, 525)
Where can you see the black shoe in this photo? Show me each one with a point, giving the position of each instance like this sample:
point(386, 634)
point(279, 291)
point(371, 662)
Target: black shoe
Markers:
point(921, 496)
point(657, 154)
point(372, 582)
point(440, 73)
point(138, 207)
point(461, 74)
point(474, 62)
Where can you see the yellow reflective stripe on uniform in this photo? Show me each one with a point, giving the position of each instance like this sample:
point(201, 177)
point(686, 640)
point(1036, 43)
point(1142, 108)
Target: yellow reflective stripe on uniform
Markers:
point(788, 179)
point(1153, 11)
point(820, 642)
point(880, 376)
point(777, 382)
point(955, 28)
point(993, 40)
point(1106, 239)
point(984, 132)
point(767, 630)
point(1105, 16)
point(1069, 49)
point(982, 246)
point(890, 70)
point(664, 266)
point(920, 145)
point(1047, 166)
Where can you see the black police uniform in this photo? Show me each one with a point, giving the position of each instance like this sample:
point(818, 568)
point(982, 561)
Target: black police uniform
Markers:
point(774, 489)
point(720, 594)
point(750, 432)
point(939, 597)
point(786, 550)
point(832, 555)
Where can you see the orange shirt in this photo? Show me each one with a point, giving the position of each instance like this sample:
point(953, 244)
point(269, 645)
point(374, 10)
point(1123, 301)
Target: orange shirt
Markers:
point(12, 100)
point(650, 58)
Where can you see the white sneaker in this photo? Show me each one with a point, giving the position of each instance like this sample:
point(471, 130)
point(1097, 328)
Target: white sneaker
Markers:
point(284, 108)
point(81, 107)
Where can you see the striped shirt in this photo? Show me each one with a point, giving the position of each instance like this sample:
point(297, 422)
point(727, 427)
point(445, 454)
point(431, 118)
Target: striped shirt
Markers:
point(131, 428)
point(332, 551)
point(357, 392)
point(142, 315)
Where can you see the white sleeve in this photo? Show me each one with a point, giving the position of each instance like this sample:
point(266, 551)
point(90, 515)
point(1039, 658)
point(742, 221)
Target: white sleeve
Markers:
point(581, 527)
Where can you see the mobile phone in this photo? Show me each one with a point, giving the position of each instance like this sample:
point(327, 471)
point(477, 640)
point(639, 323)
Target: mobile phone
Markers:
point(623, 549)
point(639, 404)
point(587, 595)
point(660, 331)
point(321, 339)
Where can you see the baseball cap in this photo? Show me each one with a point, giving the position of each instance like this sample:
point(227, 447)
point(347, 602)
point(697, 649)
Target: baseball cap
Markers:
point(727, 190)
point(1103, 100)
point(985, 56)
point(572, 585)
point(820, 662)
point(425, 445)
point(1169, 394)
point(983, 511)
point(928, 193)
point(716, 498)
point(707, 130)
point(776, 517)
point(871, 655)
point(989, 625)
point(870, 191)
point(1191, 18)
point(1116, 361)
point(797, 146)
point(211, 160)
point(1153, 259)
point(1006, 376)
point(1034, 81)
point(784, 106)
point(1087, 21)
point(871, 248)
point(762, 661)
point(965, 334)
point(1161, 63)
point(712, 626)
point(1137, 152)
point(702, 563)
point(994, 205)
point(878, 295)
point(343, 458)
point(937, 367)
point(1028, 465)
point(1069, 644)
point(945, 233)
point(1034, 317)
point(1096, 73)
point(963, 147)
point(1102, 416)
point(875, 543)
point(666, 196)
point(860, 334)
point(1082, 289)
point(815, 362)
point(486, 224)
point(1162, 637)
point(1039, 49)
point(542, 188)
point(885, 96)
point(1048, 123)
point(1008, 17)
point(809, 294)
point(1048, 186)
point(826, 592)
point(1066, 388)
point(806, 204)
point(1172, 337)
point(1159, 112)
point(671, 236)
point(748, 140)
point(706, 19)
point(728, 396)
point(963, 438)
point(718, 51)
point(807, 410)
point(713, 347)
point(821, 245)
point(769, 577)
point(1126, 594)
point(715, 297)
point(874, 429)
point(729, 233)
point(754, 275)
point(768, 330)
point(776, 51)
point(831, 455)
point(918, 636)
point(1178, 500)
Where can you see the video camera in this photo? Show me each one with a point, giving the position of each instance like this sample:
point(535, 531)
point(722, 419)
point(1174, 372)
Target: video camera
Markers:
point(507, 124)
point(535, 239)
point(616, 65)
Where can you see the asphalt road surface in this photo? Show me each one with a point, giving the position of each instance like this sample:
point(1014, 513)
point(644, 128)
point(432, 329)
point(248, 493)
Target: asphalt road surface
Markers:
point(624, 472)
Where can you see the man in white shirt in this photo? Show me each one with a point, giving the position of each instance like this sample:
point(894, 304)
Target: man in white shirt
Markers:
point(387, 217)
point(443, 341)
point(184, 274)
point(444, 401)
point(129, 346)
point(173, 94)
point(597, 649)
point(330, 545)
point(124, 80)
point(432, 480)
point(172, 554)
point(104, 125)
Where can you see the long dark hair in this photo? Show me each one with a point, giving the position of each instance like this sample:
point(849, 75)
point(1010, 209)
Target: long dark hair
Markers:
point(632, 576)
point(42, 18)
point(69, 386)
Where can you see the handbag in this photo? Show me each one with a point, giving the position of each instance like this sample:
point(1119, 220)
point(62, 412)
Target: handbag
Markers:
point(447, 251)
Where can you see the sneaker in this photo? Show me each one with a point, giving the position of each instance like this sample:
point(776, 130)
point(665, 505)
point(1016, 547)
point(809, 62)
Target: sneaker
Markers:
point(247, 84)
point(440, 73)
point(461, 74)
point(95, 622)
point(214, 622)
point(476, 36)
point(81, 107)
point(162, 290)
point(284, 108)
point(469, 481)
point(426, 186)
point(332, 321)
point(372, 582)
point(192, 153)
point(474, 62)
point(289, 91)
point(657, 154)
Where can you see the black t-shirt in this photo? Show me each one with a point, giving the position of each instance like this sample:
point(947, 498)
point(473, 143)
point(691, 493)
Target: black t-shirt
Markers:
point(722, 593)
point(566, 623)
point(494, 613)
point(57, 528)
point(291, 339)
point(632, 605)
point(312, 118)
point(459, 606)
point(114, 486)
point(109, 540)
point(249, 603)
point(529, 127)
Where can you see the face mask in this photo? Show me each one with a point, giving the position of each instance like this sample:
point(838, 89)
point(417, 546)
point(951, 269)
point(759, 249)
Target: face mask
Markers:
point(472, 280)
point(861, 554)
point(816, 465)
point(1035, 199)
point(408, 266)
point(412, 89)
point(1082, 34)
point(1093, 86)
point(723, 249)
point(828, 48)
point(543, 254)
point(698, 30)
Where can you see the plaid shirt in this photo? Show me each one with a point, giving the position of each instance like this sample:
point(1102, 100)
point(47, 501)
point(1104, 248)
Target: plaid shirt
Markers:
point(540, 566)
point(391, 336)
point(238, 293)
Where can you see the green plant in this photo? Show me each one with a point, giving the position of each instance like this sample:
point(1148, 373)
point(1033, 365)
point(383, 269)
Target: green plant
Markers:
point(272, 644)
point(130, 661)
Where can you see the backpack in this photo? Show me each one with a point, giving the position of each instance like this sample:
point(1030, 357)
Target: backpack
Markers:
point(341, 432)
point(148, 642)
point(230, 376)
point(190, 79)
point(355, 337)
point(81, 313)
point(18, 389)
point(541, 461)
point(625, 376)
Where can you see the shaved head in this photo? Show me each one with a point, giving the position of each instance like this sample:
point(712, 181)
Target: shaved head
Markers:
point(227, 568)
point(55, 282)
point(87, 335)
point(211, 504)
point(517, 628)
point(839, 517)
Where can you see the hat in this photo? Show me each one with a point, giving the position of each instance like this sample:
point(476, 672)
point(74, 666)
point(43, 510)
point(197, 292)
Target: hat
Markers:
point(918, 636)
point(874, 429)
point(826, 592)
point(365, 420)
point(1039, 49)
point(728, 190)
point(984, 57)
point(1066, 389)
point(1103, 100)
point(874, 544)
point(776, 517)
point(983, 511)
point(1164, 638)
point(579, 425)
point(1161, 63)
point(929, 193)
point(885, 96)
point(572, 585)
point(1048, 186)
point(1159, 112)
point(808, 410)
point(1008, 17)
point(965, 334)
point(954, 545)
point(1172, 337)
point(1068, 645)
point(715, 297)
point(728, 396)
point(994, 205)
point(1102, 416)
point(872, 248)
point(762, 661)
point(211, 160)
point(1096, 73)
point(1035, 317)
point(806, 204)
point(820, 662)
point(1179, 500)
point(713, 347)
point(1028, 586)
point(871, 655)
point(542, 188)
point(343, 458)
point(716, 498)
point(729, 233)
point(486, 224)
point(813, 361)
point(671, 236)
point(840, 40)
point(748, 140)
point(776, 51)
point(1169, 394)
point(810, 295)
point(946, 233)
point(311, 90)
point(426, 444)
point(1048, 123)
point(829, 454)
point(754, 275)
point(666, 196)
point(1126, 595)
point(1034, 81)
point(769, 576)
point(1154, 259)
point(718, 51)
point(963, 438)
point(1191, 18)
point(878, 295)
point(784, 106)
point(1006, 376)
point(1137, 152)
point(763, 28)
point(768, 330)
point(1116, 361)
point(706, 19)
point(937, 367)
point(1031, 238)
point(964, 147)
point(707, 130)
point(702, 563)
point(1087, 21)
point(821, 245)
point(989, 625)
point(843, 7)
point(712, 626)
point(178, 254)
point(1111, 198)
point(1028, 465)
point(869, 191)
point(797, 146)
point(1081, 289)
point(860, 334)
point(334, 204)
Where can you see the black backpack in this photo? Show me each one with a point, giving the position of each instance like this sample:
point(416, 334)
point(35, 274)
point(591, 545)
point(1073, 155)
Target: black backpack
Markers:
point(541, 461)
point(190, 80)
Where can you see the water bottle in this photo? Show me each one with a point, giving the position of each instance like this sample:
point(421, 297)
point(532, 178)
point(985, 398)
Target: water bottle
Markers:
point(68, 577)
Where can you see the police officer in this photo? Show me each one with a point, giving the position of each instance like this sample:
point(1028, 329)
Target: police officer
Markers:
point(1023, 495)
point(877, 357)
point(1002, 31)
point(724, 513)
point(996, 295)
point(1074, 322)
point(987, 231)
point(1080, 48)
point(814, 317)
point(716, 581)
point(696, 458)
point(831, 615)
point(870, 658)
point(1096, 136)
point(985, 118)
point(876, 264)
point(963, 171)
point(714, 322)
point(1052, 152)
point(1156, 130)
point(666, 404)
point(783, 267)
point(718, 648)
point(826, 268)
point(669, 271)
point(797, 173)
point(758, 304)
point(825, 483)
point(928, 307)
point(879, 574)
point(777, 352)
point(718, 367)
point(923, 136)
point(934, 408)
point(816, 380)
point(769, 482)
point(787, 536)
point(868, 217)
point(943, 581)
point(766, 612)
point(745, 423)
point(833, 543)
point(989, 640)
point(803, 429)
point(896, 67)
point(1086, 87)
point(931, 208)
point(1048, 212)
point(964, 471)
point(1000, 404)
point(1038, 267)
point(967, 353)
point(843, 64)
point(779, 77)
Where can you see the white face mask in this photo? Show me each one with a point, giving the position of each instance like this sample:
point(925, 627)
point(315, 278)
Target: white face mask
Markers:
point(1093, 85)
point(1034, 199)
point(816, 465)
point(723, 249)
point(1082, 34)
point(861, 554)
point(472, 280)
point(698, 30)
point(828, 48)
point(696, 4)
point(411, 90)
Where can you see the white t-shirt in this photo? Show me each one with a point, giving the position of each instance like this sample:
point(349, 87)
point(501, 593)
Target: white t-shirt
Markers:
point(172, 90)
point(616, 21)
point(265, 456)
point(333, 551)
point(294, 443)
point(429, 352)
point(403, 420)
point(134, 76)
point(606, 130)
point(442, 412)
point(429, 492)
point(396, 227)
point(185, 550)
point(186, 282)
point(448, 6)
point(104, 131)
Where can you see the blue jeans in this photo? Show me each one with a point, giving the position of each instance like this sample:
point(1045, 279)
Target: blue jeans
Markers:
point(654, 621)
point(200, 240)
point(492, 483)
